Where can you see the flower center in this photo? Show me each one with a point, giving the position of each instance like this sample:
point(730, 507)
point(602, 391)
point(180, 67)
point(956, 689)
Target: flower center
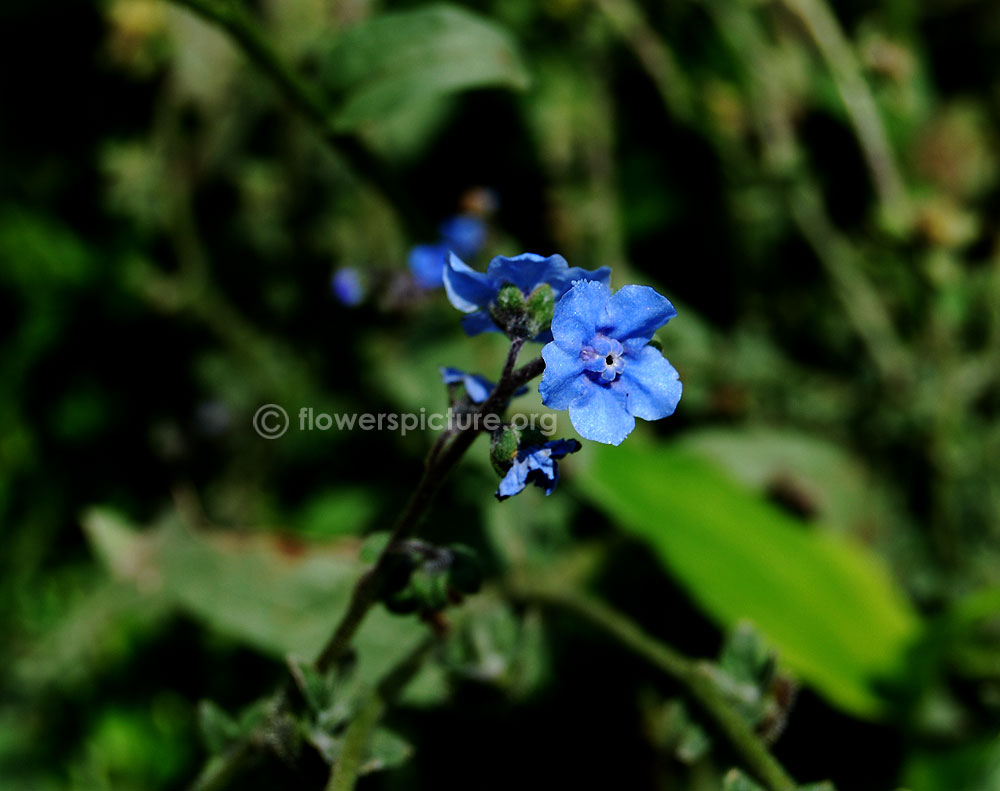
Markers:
point(603, 356)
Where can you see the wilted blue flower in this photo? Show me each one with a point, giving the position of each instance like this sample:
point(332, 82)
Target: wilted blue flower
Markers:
point(347, 286)
point(427, 264)
point(477, 387)
point(599, 364)
point(537, 465)
point(475, 292)
point(463, 234)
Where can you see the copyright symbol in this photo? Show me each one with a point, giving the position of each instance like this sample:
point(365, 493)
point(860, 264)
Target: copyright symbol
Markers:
point(270, 421)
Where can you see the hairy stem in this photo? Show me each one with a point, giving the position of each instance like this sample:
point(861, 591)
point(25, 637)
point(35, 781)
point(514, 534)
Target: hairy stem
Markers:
point(687, 672)
point(358, 734)
point(439, 464)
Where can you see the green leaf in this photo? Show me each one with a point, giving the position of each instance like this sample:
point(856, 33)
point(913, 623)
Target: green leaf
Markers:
point(825, 603)
point(735, 780)
point(274, 595)
point(218, 729)
point(968, 767)
point(336, 512)
point(385, 750)
point(817, 475)
point(384, 66)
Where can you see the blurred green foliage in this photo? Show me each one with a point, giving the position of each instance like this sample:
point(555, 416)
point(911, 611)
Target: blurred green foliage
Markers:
point(813, 184)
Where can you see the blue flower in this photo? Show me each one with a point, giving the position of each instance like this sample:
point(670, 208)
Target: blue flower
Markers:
point(477, 387)
point(537, 465)
point(463, 234)
point(347, 287)
point(474, 292)
point(427, 264)
point(600, 365)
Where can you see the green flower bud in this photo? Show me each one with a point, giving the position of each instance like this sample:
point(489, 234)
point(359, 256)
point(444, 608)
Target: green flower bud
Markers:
point(503, 448)
point(540, 307)
point(508, 310)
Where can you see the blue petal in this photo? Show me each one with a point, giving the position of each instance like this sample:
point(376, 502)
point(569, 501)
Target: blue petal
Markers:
point(650, 384)
point(347, 287)
point(477, 387)
point(480, 321)
point(637, 312)
point(467, 289)
point(543, 471)
point(562, 379)
point(564, 282)
point(579, 313)
point(427, 264)
point(600, 414)
point(451, 376)
point(464, 234)
point(562, 447)
point(514, 481)
point(526, 270)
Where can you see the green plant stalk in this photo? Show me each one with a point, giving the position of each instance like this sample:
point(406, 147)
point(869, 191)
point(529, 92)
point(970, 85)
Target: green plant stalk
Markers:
point(441, 459)
point(346, 770)
point(862, 303)
point(439, 463)
point(303, 97)
point(822, 25)
point(688, 673)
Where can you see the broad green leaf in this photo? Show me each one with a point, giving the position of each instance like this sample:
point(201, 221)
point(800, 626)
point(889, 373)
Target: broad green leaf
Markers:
point(336, 512)
point(824, 603)
point(818, 474)
point(383, 66)
point(277, 596)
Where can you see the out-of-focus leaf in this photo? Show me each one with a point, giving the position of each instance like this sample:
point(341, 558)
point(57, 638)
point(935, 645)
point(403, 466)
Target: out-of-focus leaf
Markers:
point(735, 780)
point(971, 767)
point(382, 65)
point(218, 729)
point(809, 474)
point(277, 596)
point(338, 512)
point(826, 604)
point(385, 750)
point(95, 634)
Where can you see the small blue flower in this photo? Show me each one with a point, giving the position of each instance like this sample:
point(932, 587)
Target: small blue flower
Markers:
point(537, 465)
point(427, 264)
point(600, 365)
point(477, 387)
point(463, 234)
point(473, 292)
point(347, 287)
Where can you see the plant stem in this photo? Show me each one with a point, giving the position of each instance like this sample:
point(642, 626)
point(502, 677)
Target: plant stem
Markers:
point(439, 464)
point(689, 673)
point(358, 734)
point(863, 112)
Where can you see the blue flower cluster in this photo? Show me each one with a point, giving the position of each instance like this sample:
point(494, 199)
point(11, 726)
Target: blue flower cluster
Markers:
point(600, 364)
